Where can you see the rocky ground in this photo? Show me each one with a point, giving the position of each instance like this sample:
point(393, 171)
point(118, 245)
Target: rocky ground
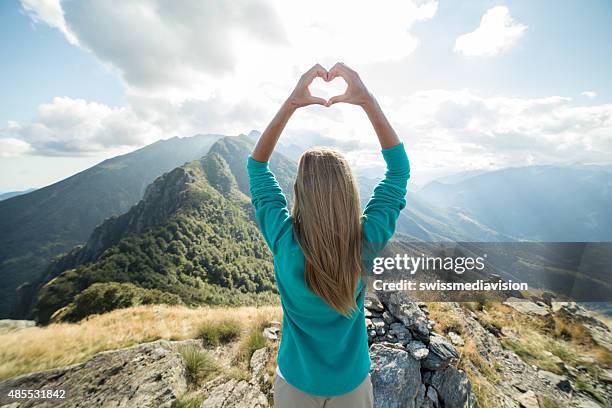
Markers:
point(416, 362)
point(395, 321)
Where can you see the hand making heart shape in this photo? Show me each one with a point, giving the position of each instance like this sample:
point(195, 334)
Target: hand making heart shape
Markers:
point(356, 93)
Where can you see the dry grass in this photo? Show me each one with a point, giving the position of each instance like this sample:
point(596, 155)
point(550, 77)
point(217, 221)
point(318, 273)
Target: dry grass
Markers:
point(445, 317)
point(253, 340)
point(532, 338)
point(57, 345)
point(536, 337)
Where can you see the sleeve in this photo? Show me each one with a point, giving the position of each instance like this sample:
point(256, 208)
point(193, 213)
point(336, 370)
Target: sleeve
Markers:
point(270, 204)
point(389, 198)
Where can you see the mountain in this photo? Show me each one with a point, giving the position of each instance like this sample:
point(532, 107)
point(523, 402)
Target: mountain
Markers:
point(11, 194)
point(539, 203)
point(192, 235)
point(423, 221)
point(49, 221)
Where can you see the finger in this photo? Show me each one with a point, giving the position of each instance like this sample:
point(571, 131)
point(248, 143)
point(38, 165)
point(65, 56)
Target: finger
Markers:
point(314, 100)
point(316, 71)
point(338, 70)
point(337, 99)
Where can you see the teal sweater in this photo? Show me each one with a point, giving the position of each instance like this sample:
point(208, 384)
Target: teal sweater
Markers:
point(322, 352)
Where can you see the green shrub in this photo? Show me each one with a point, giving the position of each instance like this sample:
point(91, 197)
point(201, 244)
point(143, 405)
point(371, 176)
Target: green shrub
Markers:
point(215, 333)
point(189, 401)
point(252, 342)
point(199, 363)
point(103, 297)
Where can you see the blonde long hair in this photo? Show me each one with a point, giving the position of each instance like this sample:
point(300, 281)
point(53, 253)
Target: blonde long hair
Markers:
point(326, 215)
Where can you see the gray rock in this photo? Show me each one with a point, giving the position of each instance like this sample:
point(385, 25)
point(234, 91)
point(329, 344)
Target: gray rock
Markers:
point(396, 328)
point(407, 311)
point(371, 334)
point(548, 297)
point(379, 325)
point(432, 395)
point(377, 322)
point(455, 339)
point(371, 302)
point(453, 388)
point(390, 338)
point(417, 349)
point(420, 398)
point(388, 317)
point(401, 332)
point(421, 330)
point(528, 400)
point(270, 333)
point(235, 394)
point(146, 375)
point(558, 381)
point(240, 393)
point(426, 375)
point(396, 377)
point(258, 361)
point(527, 306)
point(441, 353)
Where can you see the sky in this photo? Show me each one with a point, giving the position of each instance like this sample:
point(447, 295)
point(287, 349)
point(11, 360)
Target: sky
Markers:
point(467, 84)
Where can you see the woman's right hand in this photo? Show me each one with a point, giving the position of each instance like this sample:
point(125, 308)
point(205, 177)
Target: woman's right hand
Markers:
point(356, 92)
point(301, 95)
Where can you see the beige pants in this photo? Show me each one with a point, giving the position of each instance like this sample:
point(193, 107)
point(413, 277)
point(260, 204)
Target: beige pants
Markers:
point(287, 396)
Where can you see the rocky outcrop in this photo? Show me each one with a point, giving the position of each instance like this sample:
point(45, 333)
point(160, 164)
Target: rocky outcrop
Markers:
point(527, 306)
point(147, 375)
point(396, 377)
point(598, 330)
point(452, 387)
point(411, 365)
point(235, 393)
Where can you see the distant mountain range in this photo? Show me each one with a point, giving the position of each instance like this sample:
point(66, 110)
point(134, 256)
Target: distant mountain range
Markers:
point(49, 221)
point(536, 203)
point(193, 235)
point(11, 194)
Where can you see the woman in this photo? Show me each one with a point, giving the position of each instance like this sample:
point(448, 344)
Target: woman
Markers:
point(322, 250)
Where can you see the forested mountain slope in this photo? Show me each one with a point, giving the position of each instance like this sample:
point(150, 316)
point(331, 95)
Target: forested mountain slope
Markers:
point(49, 221)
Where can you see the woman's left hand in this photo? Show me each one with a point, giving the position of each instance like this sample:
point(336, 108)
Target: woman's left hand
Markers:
point(301, 95)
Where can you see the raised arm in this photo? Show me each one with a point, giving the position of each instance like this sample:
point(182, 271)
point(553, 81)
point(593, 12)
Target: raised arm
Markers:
point(299, 97)
point(389, 197)
point(357, 94)
point(267, 197)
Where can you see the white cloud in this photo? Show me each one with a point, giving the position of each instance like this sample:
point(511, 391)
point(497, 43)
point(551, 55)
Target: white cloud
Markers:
point(50, 13)
point(589, 94)
point(75, 127)
point(185, 50)
point(10, 147)
point(455, 130)
point(217, 66)
point(496, 33)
